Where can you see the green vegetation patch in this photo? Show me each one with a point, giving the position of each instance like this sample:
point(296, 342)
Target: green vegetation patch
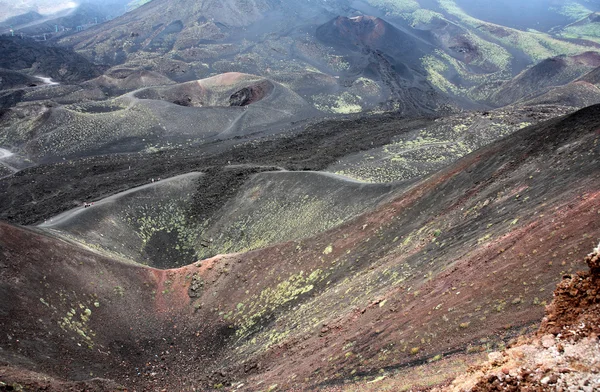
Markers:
point(258, 307)
point(345, 103)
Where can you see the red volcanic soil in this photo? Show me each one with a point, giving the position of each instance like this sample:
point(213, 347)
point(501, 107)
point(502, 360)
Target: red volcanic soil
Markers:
point(564, 354)
point(75, 315)
point(462, 261)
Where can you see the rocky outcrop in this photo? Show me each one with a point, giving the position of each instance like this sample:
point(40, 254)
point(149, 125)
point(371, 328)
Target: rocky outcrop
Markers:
point(575, 311)
point(565, 353)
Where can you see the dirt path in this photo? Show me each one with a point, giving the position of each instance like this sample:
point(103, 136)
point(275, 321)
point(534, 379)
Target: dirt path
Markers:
point(67, 215)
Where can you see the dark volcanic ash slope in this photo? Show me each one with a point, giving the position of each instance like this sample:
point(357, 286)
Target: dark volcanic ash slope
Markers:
point(14, 79)
point(38, 59)
point(438, 269)
point(41, 192)
point(370, 33)
point(388, 55)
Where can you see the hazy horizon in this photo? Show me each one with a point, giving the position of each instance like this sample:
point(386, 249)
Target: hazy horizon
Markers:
point(10, 9)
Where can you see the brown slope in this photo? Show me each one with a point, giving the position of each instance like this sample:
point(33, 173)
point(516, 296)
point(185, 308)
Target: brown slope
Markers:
point(375, 34)
point(552, 72)
point(457, 259)
point(564, 354)
point(464, 258)
point(75, 315)
point(593, 77)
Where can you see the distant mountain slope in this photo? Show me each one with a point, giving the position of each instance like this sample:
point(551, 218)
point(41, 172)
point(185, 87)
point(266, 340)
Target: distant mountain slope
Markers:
point(12, 9)
point(368, 32)
point(336, 54)
point(586, 28)
point(553, 72)
point(38, 59)
point(161, 24)
point(188, 41)
point(28, 17)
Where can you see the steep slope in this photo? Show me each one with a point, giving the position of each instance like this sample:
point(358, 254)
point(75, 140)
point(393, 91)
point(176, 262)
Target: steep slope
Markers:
point(576, 94)
point(371, 33)
point(382, 53)
point(593, 77)
point(37, 59)
point(582, 92)
point(564, 353)
point(25, 18)
point(455, 256)
point(437, 270)
point(161, 24)
point(537, 80)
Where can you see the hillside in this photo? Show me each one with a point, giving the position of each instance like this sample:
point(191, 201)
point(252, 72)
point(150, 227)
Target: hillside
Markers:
point(564, 348)
point(338, 55)
point(553, 72)
point(151, 224)
point(326, 195)
point(457, 255)
point(371, 33)
point(37, 59)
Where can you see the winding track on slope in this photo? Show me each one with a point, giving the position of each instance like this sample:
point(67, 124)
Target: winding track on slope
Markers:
point(67, 215)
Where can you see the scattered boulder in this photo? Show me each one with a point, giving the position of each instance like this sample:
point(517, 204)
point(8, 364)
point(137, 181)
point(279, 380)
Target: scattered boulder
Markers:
point(196, 286)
